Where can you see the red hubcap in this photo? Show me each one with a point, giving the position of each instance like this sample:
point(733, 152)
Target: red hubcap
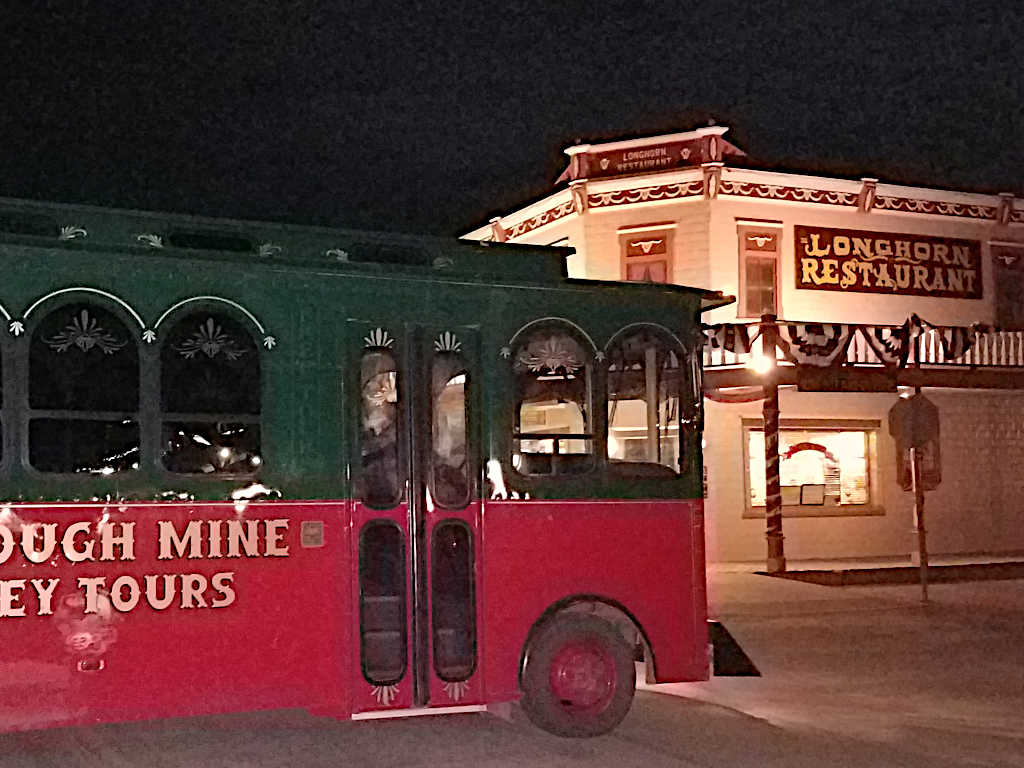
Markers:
point(583, 677)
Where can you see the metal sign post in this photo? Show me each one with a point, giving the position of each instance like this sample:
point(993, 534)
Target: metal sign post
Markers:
point(922, 544)
point(914, 423)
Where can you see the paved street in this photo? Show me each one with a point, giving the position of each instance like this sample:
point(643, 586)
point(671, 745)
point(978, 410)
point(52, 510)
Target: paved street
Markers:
point(858, 676)
point(873, 665)
point(660, 731)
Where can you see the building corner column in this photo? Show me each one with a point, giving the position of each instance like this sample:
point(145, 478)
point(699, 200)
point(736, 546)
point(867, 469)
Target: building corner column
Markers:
point(578, 193)
point(866, 196)
point(712, 177)
point(498, 231)
point(776, 560)
point(1004, 213)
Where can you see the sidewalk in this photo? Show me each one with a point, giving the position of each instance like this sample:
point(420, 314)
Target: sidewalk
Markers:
point(891, 570)
point(944, 678)
point(857, 563)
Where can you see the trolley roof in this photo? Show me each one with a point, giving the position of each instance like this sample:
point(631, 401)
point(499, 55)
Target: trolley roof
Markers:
point(147, 233)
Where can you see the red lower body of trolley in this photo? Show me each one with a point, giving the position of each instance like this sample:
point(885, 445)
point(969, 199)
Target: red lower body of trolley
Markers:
point(116, 612)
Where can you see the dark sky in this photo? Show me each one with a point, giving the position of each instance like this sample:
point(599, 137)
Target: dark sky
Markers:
point(429, 116)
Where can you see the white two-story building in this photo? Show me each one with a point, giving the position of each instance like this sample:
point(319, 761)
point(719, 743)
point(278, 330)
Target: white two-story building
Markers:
point(877, 289)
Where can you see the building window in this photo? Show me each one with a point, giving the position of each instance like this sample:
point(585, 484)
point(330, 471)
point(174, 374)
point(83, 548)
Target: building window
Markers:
point(826, 468)
point(645, 384)
point(646, 254)
point(210, 397)
point(1008, 272)
point(83, 393)
point(759, 269)
point(552, 430)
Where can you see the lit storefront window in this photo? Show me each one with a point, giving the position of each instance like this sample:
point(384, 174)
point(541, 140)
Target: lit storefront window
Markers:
point(822, 471)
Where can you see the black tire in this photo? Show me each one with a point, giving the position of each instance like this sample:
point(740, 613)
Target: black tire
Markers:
point(579, 678)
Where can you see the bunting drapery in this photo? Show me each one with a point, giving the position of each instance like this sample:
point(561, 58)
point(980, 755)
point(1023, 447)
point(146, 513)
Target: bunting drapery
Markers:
point(819, 344)
point(732, 337)
point(954, 340)
point(825, 344)
point(890, 345)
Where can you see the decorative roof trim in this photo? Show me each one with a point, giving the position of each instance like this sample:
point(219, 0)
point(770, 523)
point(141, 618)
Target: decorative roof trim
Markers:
point(653, 194)
point(560, 211)
point(971, 206)
point(909, 205)
point(792, 194)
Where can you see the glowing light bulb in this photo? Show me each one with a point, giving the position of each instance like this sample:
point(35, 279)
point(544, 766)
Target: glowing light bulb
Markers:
point(760, 364)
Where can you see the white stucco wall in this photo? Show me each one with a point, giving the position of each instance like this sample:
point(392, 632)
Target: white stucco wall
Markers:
point(979, 506)
point(689, 222)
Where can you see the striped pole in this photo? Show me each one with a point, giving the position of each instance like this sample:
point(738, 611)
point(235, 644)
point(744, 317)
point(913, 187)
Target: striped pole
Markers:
point(773, 491)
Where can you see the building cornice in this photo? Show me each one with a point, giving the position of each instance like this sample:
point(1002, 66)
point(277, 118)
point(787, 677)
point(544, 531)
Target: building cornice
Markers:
point(755, 184)
point(648, 194)
point(547, 216)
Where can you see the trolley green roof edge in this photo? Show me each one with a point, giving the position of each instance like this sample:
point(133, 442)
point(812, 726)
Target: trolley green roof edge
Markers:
point(40, 224)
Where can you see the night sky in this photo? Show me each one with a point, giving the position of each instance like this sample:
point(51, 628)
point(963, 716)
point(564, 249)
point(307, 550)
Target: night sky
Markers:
point(431, 116)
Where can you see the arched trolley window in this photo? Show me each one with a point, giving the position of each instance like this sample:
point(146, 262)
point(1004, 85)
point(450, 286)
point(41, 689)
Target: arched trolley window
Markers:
point(210, 397)
point(552, 423)
point(650, 403)
point(383, 641)
point(449, 465)
point(83, 392)
point(452, 601)
point(380, 481)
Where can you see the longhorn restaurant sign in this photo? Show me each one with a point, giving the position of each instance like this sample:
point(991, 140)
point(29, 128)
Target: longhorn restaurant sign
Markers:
point(850, 260)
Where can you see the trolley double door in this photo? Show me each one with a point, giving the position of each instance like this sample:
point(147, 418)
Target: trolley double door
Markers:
point(415, 516)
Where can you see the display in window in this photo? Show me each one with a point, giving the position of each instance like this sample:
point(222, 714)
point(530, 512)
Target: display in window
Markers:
point(816, 468)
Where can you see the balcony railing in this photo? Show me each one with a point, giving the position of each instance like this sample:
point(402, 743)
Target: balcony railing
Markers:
point(916, 343)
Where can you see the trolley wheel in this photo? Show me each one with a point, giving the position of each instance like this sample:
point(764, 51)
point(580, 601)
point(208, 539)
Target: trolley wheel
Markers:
point(579, 676)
